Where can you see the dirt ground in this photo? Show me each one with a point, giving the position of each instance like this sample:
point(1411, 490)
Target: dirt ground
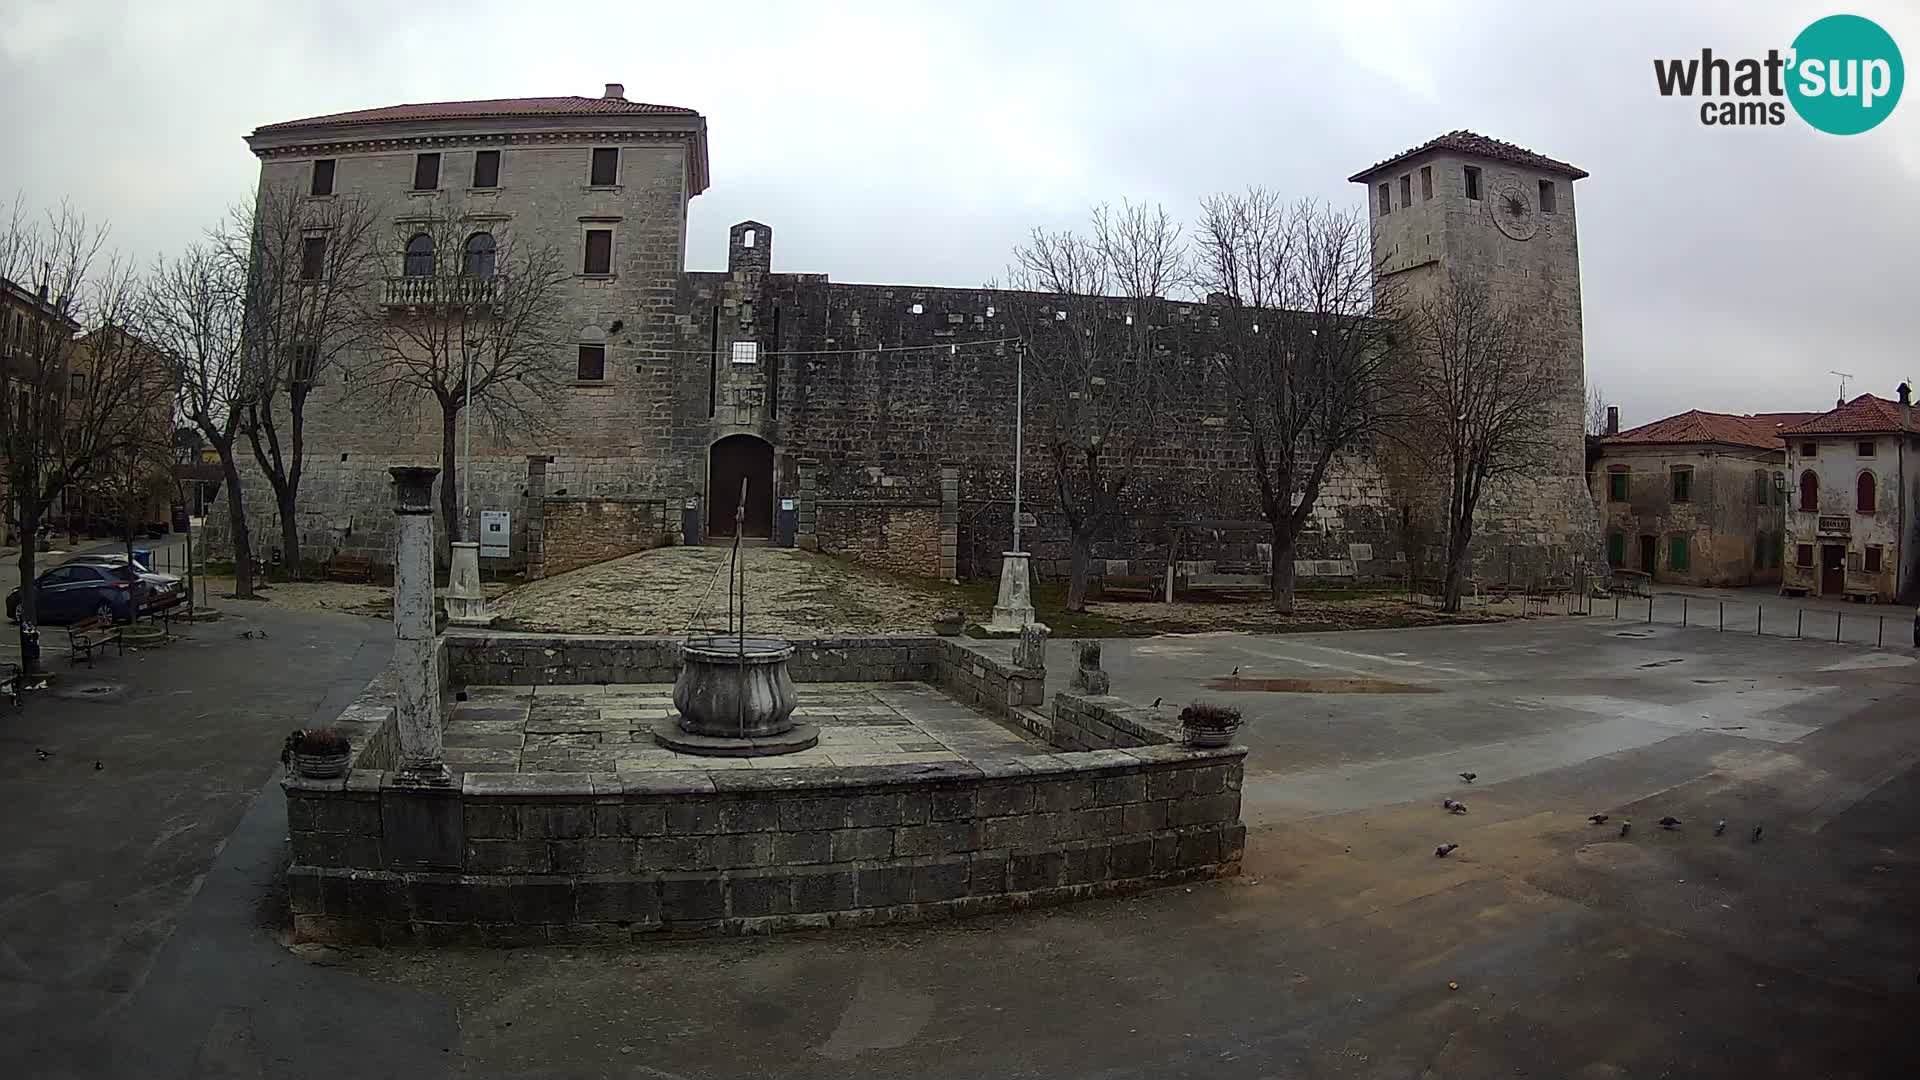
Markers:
point(375, 601)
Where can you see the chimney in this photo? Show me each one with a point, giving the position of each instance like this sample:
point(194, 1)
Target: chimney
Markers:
point(1906, 395)
point(1613, 419)
point(615, 92)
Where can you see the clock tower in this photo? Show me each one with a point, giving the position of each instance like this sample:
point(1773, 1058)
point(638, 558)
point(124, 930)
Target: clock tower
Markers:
point(1504, 215)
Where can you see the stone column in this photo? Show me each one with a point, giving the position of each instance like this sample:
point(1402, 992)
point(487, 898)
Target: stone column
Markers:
point(950, 522)
point(466, 600)
point(1031, 652)
point(537, 515)
point(1015, 608)
point(805, 538)
point(422, 763)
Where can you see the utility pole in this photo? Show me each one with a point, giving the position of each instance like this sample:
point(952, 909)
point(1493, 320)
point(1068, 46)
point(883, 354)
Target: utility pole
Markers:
point(1019, 418)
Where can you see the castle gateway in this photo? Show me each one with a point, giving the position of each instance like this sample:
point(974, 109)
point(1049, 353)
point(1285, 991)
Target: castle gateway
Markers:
point(873, 421)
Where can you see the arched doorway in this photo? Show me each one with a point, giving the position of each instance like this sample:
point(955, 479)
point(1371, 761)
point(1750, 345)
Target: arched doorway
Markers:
point(731, 460)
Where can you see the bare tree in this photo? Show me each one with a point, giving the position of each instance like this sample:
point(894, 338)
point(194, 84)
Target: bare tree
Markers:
point(1597, 406)
point(1089, 309)
point(1309, 364)
point(59, 432)
point(194, 313)
point(312, 275)
point(1487, 397)
point(476, 323)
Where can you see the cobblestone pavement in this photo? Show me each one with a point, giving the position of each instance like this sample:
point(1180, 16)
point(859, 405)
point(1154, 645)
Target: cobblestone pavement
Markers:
point(610, 729)
point(790, 593)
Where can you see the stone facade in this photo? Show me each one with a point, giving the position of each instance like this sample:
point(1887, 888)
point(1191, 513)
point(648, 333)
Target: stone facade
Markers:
point(1839, 541)
point(893, 398)
point(1698, 515)
point(578, 532)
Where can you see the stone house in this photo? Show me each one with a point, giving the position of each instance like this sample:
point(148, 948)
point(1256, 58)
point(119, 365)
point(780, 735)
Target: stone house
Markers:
point(870, 421)
point(1853, 493)
point(1695, 499)
point(27, 321)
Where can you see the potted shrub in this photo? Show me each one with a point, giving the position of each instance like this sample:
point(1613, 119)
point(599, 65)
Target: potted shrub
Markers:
point(950, 622)
point(316, 753)
point(1207, 725)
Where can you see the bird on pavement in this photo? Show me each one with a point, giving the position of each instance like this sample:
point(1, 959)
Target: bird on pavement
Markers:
point(1236, 669)
point(1756, 835)
point(97, 766)
point(1626, 827)
point(1720, 827)
point(1444, 850)
point(1669, 822)
point(44, 754)
point(1597, 819)
point(1156, 703)
point(1453, 806)
point(1469, 777)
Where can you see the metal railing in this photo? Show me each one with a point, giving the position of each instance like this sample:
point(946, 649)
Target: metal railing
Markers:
point(441, 290)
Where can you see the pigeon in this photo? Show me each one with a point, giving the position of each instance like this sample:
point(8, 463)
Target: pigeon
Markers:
point(1720, 827)
point(1597, 819)
point(1453, 806)
point(1444, 850)
point(1469, 777)
point(1156, 703)
point(97, 766)
point(1626, 827)
point(1756, 834)
point(1236, 669)
point(1669, 822)
point(44, 754)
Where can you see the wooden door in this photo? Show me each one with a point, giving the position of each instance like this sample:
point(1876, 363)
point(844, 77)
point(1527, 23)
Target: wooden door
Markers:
point(1833, 570)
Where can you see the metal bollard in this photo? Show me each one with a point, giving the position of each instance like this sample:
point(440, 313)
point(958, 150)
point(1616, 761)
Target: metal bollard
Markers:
point(1880, 639)
point(1799, 624)
point(1683, 609)
point(1759, 618)
point(1723, 616)
point(1837, 617)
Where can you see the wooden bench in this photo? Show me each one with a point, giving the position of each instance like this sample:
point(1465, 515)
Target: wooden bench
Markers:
point(1122, 587)
point(354, 568)
point(87, 635)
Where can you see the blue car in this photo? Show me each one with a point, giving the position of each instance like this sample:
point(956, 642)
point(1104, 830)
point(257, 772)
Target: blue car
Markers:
point(76, 591)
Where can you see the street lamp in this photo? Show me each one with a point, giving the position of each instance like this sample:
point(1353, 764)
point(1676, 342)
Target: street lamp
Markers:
point(1015, 607)
point(468, 347)
point(1019, 418)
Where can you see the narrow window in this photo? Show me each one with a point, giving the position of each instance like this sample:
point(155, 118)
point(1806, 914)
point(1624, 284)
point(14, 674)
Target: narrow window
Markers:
point(1473, 182)
point(1808, 449)
point(1386, 199)
point(323, 176)
point(1546, 196)
point(606, 167)
point(1873, 559)
point(1426, 182)
point(1683, 484)
point(479, 256)
point(1803, 556)
point(1677, 553)
point(1406, 190)
point(593, 363)
point(1760, 486)
point(1616, 549)
point(1865, 449)
point(599, 258)
point(1617, 484)
point(419, 259)
point(1864, 500)
point(426, 172)
point(313, 258)
point(746, 352)
point(1809, 492)
point(486, 168)
point(747, 238)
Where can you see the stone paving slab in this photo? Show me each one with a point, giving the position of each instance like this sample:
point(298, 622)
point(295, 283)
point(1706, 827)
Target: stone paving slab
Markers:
point(608, 729)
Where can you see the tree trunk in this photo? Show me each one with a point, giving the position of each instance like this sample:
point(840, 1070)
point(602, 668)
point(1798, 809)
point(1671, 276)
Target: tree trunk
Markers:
point(449, 486)
point(285, 500)
point(242, 535)
point(1457, 540)
point(28, 614)
point(1079, 568)
point(1283, 573)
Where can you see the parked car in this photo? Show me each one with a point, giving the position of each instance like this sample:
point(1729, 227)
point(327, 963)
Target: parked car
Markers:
point(76, 591)
point(163, 590)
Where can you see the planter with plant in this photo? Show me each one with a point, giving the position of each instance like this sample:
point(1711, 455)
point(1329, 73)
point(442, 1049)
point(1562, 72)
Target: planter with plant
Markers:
point(316, 753)
point(1209, 725)
point(950, 622)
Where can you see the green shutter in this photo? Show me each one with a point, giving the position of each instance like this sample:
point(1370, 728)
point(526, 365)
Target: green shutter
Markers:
point(1617, 486)
point(1677, 554)
point(1616, 549)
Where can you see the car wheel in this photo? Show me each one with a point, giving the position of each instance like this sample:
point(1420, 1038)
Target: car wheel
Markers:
point(104, 610)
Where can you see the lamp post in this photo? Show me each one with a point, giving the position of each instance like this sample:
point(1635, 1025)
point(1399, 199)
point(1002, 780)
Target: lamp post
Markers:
point(468, 347)
point(466, 599)
point(1019, 418)
point(1015, 606)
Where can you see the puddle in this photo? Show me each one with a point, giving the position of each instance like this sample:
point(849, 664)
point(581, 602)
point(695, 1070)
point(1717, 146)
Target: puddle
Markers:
point(1361, 685)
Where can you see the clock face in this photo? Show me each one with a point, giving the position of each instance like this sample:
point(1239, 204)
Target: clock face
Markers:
point(1513, 211)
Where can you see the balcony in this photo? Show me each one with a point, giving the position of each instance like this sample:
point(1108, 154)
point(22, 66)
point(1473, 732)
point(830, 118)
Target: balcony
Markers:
point(437, 291)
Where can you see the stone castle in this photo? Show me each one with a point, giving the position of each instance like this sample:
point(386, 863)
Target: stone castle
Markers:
point(873, 421)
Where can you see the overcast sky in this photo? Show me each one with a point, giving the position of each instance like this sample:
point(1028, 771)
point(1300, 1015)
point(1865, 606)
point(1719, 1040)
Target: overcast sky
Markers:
point(1725, 269)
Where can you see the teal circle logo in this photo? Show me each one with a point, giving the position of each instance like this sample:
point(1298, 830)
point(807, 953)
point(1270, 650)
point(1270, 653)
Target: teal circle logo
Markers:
point(1846, 75)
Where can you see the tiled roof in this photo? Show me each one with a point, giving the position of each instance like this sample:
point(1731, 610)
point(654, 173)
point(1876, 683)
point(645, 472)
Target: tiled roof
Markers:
point(492, 107)
point(1761, 431)
point(1863, 415)
point(1467, 142)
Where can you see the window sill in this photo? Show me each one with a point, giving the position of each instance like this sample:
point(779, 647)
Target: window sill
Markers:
point(426, 191)
point(494, 190)
point(328, 197)
point(601, 187)
point(582, 384)
point(596, 277)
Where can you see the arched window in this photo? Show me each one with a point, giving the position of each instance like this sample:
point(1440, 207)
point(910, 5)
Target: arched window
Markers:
point(479, 260)
point(1864, 500)
point(1809, 491)
point(419, 262)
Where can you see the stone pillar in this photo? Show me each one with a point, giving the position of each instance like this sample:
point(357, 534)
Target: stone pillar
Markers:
point(1031, 652)
point(950, 522)
point(466, 600)
point(1088, 677)
point(1015, 608)
point(805, 536)
point(537, 515)
point(422, 763)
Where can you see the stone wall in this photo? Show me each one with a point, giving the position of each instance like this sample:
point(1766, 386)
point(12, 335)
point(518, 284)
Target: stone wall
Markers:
point(1732, 519)
point(901, 537)
point(585, 530)
point(534, 858)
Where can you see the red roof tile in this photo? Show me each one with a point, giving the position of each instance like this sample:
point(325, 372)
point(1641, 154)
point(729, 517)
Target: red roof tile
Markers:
point(1761, 431)
point(1863, 415)
point(1467, 142)
point(492, 107)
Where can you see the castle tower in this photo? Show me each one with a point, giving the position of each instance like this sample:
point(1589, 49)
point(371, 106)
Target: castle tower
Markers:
point(1504, 215)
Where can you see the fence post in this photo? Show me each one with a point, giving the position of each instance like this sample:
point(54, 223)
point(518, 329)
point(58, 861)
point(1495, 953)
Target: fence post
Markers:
point(1683, 609)
point(1759, 618)
point(1799, 624)
point(1616, 605)
point(1838, 616)
point(1723, 616)
point(1880, 639)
